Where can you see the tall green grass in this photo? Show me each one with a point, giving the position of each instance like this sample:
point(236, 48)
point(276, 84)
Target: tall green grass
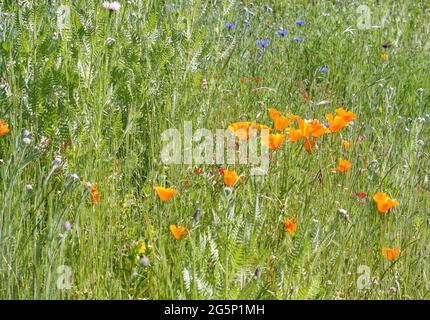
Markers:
point(99, 92)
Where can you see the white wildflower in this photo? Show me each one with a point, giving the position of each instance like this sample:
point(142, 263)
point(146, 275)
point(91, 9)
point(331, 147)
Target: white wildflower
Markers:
point(144, 261)
point(344, 213)
point(26, 141)
point(113, 6)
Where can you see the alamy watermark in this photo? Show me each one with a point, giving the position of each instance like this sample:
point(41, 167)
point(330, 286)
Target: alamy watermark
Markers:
point(63, 17)
point(364, 280)
point(65, 277)
point(223, 147)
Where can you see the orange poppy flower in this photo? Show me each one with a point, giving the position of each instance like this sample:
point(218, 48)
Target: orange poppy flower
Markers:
point(178, 231)
point(230, 177)
point(294, 134)
point(273, 114)
point(312, 128)
point(336, 123)
point(95, 195)
point(344, 165)
point(264, 127)
point(347, 116)
point(290, 226)
point(165, 193)
point(309, 145)
point(281, 123)
point(316, 129)
point(240, 129)
point(4, 128)
point(391, 253)
point(306, 129)
point(243, 129)
point(384, 202)
point(275, 141)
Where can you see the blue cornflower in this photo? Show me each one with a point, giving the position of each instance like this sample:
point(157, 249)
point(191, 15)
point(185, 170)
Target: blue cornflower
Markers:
point(298, 39)
point(326, 124)
point(263, 43)
point(300, 22)
point(324, 70)
point(231, 25)
point(283, 32)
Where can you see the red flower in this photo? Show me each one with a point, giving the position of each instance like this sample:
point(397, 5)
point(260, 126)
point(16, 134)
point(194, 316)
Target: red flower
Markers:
point(198, 170)
point(361, 195)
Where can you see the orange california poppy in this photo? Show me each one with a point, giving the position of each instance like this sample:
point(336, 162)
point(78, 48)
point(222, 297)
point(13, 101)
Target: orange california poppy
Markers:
point(316, 129)
point(304, 127)
point(336, 123)
point(230, 177)
point(312, 128)
point(344, 165)
point(178, 231)
point(275, 141)
point(309, 145)
point(294, 134)
point(348, 116)
point(273, 114)
point(95, 195)
point(4, 128)
point(243, 129)
point(290, 226)
point(309, 130)
point(384, 202)
point(281, 123)
point(391, 253)
point(264, 127)
point(165, 193)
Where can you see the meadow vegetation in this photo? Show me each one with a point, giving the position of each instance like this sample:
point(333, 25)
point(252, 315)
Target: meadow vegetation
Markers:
point(87, 89)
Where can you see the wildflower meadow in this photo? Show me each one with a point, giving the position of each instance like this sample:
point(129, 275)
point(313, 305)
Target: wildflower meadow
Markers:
point(222, 149)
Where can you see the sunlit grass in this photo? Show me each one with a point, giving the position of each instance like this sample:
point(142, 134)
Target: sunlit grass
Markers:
point(96, 94)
